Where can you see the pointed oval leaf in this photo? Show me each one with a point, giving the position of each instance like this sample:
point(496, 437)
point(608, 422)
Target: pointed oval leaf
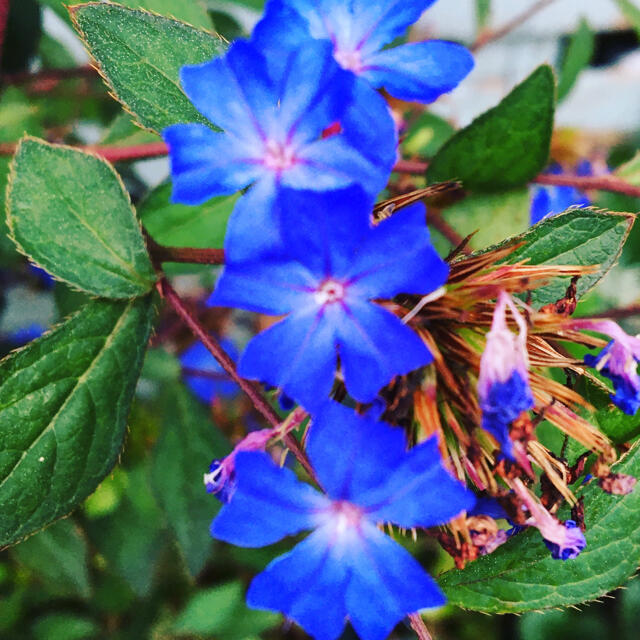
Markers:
point(587, 236)
point(69, 212)
point(64, 401)
point(140, 55)
point(506, 146)
point(522, 576)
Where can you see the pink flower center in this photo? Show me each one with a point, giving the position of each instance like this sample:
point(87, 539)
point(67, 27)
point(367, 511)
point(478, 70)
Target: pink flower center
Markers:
point(278, 157)
point(330, 291)
point(351, 60)
point(346, 516)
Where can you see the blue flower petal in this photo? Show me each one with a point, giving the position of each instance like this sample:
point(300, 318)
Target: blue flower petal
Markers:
point(268, 504)
point(419, 71)
point(374, 348)
point(297, 354)
point(540, 205)
point(420, 492)
point(398, 257)
point(269, 286)
point(234, 92)
point(352, 454)
point(325, 230)
point(386, 584)
point(307, 584)
point(206, 164)
point(197, 356)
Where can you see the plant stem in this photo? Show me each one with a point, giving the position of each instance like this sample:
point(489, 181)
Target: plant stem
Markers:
point(495, 34)
point(160, 254)
point(585, 183)
point(418, 625)
point(109, 153)
point(50, 75)
point(250, 388)
point(619, 312)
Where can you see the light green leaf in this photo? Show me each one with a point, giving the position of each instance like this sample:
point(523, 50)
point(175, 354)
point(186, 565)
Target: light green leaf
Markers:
point(630, 171)
point(140, 55)
point(64, 401)
point(522, 576)
point(131, 537)
point(506, 146)
point(577, 57)
point(426, 135)
point(59, 558)
point(179, 225)
point(70, 213)
point(576, 237)
point(483, 11)
point(491, 216)
point(193, 12)
point(221, 612)
point(631, 12)
point(187, 444)
point(64, 626)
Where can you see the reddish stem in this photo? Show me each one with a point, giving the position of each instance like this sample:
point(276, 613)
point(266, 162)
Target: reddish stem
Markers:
point(4, 17)
point(50, 75)
point(109, 153)
point(418, 625)
point(585, 183)
point(250, 388)
point(413, 167)
point(185, 254)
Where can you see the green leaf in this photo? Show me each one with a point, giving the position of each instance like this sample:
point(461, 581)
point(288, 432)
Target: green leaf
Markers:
point(140, 55)
point(506, 146)
point(64, 401)
point(426, 135)
point(483, 11)
point(577, 57)
point(193, 12)
point(522, 576)
point(186, 446)
point(132, 538)
point(221, 611)
point(59, 558)
point(491, 216)
point(630, 171)
point(631, 12)
point(575, 237)
point(64, 626)
point(70, 213)
point(180, 225)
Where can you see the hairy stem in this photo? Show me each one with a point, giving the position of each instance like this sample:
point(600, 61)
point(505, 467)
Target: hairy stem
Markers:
point(418, 625)
point(250, 388)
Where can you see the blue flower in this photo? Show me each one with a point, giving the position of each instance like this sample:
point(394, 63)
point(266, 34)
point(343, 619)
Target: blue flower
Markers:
point(618, 361)
point(347, 567)
point(197, 358)
point(20, 337)
point(273, 119)
point(503, 383)
point(333, 263)
point(359, 31)
point(550, 200)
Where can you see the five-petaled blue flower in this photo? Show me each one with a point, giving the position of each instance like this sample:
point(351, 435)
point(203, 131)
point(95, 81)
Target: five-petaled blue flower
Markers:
point(550, 200)
point(204, 376)
point(273, 120)
point(503, 383)
point(333, 263)
point(347, 566)
point(359, 31)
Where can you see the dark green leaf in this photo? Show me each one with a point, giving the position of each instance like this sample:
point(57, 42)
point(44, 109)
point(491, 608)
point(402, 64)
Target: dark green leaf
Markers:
point(64, 401)
point(576, 237)
point(70, 213)
point(221, 612)
point(578, 56)
point(140, 55)
point(187, 444)
point(506, 146)
point(522, 576)
point(58, 556)
point(131, 538)
point(63, 626)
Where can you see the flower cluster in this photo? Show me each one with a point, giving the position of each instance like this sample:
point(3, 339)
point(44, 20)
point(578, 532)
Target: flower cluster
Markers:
point(370, 315)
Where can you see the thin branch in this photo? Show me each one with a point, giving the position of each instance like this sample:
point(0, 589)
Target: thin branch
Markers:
point(190, 255)
point(250, 388)
point(585, 183)
point(413, 167)
point(619, 312)
point(435, 220)
point(495, 34)
point(418, 625)
point(108, 152)
point(49, 75)
point(4, 17)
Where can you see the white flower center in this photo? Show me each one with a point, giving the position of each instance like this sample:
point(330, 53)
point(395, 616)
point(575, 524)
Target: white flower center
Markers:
point(330, 291)
point(351, 60)
point(346, 516)
point(278, 157)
